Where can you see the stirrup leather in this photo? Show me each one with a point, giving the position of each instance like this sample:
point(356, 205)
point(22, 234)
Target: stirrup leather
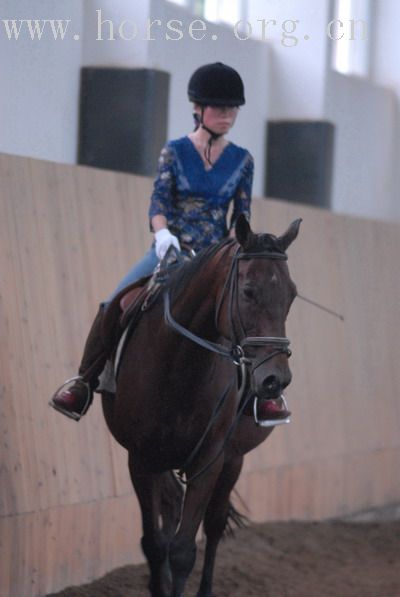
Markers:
point(269, 422)
point(89, 397)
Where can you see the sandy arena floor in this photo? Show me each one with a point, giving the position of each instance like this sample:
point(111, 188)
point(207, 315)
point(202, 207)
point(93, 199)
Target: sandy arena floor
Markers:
point(288, 559)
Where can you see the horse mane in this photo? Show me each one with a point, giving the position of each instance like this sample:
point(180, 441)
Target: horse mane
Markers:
point(256, 243)
point(180, 279)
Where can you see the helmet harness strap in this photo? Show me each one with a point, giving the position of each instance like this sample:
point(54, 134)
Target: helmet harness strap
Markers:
point(199, 121)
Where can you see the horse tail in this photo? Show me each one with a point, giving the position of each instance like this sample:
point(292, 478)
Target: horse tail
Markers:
point(235, 519)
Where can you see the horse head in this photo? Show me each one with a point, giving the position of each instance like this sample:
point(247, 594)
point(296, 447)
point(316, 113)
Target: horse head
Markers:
point(260, 295)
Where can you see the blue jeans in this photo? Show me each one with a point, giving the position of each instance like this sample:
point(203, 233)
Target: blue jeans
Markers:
point(144, 267)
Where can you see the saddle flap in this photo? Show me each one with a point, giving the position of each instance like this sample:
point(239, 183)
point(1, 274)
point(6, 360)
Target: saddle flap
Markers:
point(129, 298)
point(131, 304)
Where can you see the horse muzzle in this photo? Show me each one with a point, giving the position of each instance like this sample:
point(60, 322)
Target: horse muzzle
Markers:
point(269, 373)
point(268, 383)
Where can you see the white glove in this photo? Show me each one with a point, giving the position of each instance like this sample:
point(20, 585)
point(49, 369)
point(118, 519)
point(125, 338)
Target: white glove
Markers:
point(164, 239)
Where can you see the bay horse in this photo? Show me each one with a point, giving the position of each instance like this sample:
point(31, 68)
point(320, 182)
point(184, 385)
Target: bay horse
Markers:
point(177, 400)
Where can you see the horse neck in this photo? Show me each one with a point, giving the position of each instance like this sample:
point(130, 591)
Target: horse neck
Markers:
point(197, 306)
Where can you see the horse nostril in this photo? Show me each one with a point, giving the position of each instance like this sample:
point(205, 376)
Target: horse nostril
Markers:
point(271, 383)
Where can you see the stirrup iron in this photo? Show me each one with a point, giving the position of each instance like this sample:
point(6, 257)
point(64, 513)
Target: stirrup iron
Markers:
point(89, 397)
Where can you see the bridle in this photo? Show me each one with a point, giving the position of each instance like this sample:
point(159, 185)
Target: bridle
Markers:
point(236, 352)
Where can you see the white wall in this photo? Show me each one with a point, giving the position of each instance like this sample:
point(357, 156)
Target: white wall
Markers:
point(298, 71)
point(120, 39)
point(386, 47)
point(364, 115)
point(385, 70)
point(40, 83)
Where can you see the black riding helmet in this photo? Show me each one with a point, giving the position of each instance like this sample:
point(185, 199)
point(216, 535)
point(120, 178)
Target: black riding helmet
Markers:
point(216, 85)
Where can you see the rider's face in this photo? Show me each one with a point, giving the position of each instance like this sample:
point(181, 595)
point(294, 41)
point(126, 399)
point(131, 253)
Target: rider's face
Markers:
point(220, 118)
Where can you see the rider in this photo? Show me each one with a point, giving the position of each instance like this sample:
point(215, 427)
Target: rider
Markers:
point(199, 176)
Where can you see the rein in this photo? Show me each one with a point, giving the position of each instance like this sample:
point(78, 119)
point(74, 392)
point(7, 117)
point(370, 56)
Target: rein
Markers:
point(236, 352)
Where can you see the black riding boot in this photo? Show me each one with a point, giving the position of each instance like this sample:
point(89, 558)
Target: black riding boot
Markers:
point(74, 401)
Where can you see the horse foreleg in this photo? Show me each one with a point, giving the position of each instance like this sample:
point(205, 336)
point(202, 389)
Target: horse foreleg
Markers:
point(148, 489)
point(182, 554)
point(215, 520)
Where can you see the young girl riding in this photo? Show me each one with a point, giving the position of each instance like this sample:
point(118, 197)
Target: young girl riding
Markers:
point(199, 176)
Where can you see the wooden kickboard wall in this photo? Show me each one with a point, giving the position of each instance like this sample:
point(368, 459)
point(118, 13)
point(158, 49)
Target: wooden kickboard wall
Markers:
point(67, 235)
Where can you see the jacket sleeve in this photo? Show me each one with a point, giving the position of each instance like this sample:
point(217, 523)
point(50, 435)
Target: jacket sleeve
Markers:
point(242, 197)
point(164, 185)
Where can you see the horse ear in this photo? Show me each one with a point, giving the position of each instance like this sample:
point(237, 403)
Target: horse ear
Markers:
point(289, 236)
point(242, 230)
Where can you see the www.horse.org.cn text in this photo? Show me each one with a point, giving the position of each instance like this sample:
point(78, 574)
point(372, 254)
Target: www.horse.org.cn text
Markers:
point(288, 33)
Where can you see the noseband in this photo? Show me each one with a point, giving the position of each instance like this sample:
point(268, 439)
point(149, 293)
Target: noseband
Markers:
point(236, 353)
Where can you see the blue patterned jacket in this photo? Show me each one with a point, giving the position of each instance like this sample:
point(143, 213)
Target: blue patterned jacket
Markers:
point(194, 200)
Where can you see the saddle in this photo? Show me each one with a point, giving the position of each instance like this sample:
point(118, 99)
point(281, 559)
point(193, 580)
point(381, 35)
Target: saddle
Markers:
point(128, 306)
point(141, 295)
